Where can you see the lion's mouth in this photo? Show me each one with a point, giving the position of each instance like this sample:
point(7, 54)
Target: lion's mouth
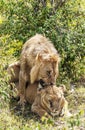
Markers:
point(44, 84)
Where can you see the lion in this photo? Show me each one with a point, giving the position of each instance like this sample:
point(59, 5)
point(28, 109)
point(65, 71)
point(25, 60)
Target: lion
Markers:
point(48, 101)
point(39, 61)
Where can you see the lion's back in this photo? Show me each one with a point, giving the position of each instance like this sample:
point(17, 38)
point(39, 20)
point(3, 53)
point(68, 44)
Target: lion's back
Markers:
point(38, 44)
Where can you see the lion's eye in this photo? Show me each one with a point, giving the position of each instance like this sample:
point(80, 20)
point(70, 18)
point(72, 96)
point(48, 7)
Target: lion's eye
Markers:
point(51, 104)
point(48, 72)
point(59, 99)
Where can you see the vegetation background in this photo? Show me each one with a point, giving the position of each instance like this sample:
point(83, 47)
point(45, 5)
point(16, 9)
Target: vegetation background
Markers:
point(63, 22)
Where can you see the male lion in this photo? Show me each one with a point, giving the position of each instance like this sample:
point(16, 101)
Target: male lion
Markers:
point(38, 62)
point(47, 101)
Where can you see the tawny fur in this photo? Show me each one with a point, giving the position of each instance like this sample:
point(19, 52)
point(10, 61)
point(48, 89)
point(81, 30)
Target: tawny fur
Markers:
point(13, 71)
point(39, 61)
point(49, 101)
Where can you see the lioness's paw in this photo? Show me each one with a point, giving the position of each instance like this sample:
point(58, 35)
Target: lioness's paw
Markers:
point(68, 114)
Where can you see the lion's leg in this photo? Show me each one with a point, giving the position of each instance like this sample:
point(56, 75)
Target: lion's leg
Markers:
point(39, 110)
point(22, 84)
point(23, 79)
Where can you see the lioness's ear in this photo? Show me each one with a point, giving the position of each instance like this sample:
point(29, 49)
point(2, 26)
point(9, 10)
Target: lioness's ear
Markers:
point(34, 73)
point(63, 88)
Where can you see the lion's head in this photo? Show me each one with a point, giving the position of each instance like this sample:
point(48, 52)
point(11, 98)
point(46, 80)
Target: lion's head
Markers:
point(50, 100)
point(45, 69)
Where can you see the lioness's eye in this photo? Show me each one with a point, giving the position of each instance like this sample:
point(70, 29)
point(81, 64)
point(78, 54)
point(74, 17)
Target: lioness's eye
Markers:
point(51, 104)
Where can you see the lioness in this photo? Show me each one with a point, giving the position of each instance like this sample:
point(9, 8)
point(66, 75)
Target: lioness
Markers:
point(38, 62)
point(47, 101)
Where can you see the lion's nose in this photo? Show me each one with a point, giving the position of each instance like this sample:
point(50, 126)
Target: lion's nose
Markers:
point(42, 82)
point(51, 84)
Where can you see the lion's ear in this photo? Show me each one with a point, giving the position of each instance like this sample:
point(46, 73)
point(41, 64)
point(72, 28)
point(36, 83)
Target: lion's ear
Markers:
point(42, 57)
point(34, 73)
point(48, 57)
point(55, 58)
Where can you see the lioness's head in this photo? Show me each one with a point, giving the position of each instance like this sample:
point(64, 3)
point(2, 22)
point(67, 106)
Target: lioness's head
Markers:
point(45, 69)
point(52, 100)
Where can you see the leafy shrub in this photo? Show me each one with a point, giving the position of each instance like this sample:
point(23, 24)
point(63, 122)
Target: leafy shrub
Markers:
point(65, 26)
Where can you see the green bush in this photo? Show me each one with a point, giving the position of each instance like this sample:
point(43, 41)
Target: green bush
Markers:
point(65, 26)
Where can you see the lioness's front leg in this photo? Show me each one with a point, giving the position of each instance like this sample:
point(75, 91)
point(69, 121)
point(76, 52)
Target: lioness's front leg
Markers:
point(39, 110)
point(65, 110)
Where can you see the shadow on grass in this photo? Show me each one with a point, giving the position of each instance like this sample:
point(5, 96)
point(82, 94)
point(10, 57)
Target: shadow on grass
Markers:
point(19, 111)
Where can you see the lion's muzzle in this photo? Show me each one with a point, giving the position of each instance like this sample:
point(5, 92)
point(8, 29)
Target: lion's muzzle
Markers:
point(44, 84)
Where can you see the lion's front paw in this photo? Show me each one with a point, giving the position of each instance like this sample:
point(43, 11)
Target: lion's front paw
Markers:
point(22, 101)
